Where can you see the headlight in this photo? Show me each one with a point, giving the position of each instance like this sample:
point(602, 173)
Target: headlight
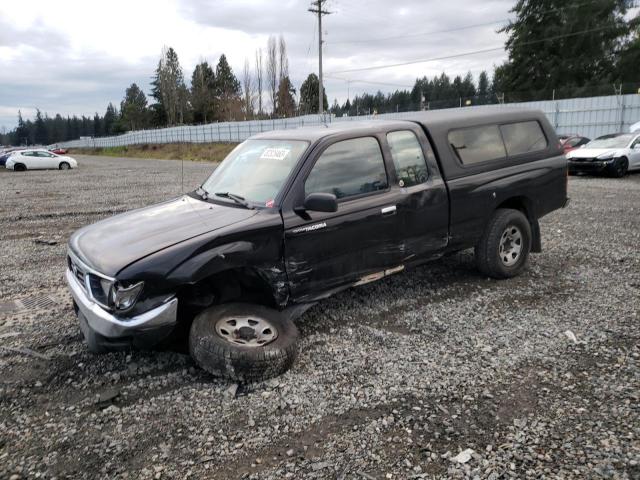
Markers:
point(606, 156)
point(123, 297)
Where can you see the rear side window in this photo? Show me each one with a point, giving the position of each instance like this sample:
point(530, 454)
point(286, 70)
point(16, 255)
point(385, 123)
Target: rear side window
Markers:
point(408, 158)
point(348, 168)
point(523, 137)
point(477, 144)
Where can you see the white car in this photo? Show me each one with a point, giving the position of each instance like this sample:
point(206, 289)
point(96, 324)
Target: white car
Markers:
point(39, 159)
point(614, 154)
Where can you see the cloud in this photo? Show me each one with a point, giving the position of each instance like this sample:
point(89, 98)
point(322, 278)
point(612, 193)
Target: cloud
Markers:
point(64, 57)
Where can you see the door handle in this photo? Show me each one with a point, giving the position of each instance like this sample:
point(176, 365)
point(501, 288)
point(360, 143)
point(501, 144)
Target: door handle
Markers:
point(388, 210)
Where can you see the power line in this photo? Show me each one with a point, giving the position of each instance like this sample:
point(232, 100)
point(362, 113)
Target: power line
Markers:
point(464, 54)
point(395, 37)
point(387, 84)
point(457, 29)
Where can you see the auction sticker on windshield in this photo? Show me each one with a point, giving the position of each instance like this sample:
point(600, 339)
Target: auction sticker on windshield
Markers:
point(275, 153)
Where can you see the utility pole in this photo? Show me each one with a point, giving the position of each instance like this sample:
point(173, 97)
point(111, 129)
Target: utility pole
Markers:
point(316, 7)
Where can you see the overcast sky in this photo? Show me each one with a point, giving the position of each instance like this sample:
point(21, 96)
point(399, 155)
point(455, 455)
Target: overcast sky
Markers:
point(74, 57)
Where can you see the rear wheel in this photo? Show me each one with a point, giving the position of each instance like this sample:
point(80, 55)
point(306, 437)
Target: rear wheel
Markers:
point(243, 342)
point(19, 167)
point(503, 250)
point(64, 166)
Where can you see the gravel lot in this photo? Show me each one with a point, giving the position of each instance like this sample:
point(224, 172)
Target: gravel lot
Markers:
point(394, 379)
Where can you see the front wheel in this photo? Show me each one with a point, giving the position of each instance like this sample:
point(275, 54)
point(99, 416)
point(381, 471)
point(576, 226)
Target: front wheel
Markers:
point(20, 167)
point(620, 168)
point(64, 166)
point(243, 342)
point(503, 249)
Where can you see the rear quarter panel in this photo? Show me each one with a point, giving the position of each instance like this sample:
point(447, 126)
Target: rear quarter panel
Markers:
point(540, 184)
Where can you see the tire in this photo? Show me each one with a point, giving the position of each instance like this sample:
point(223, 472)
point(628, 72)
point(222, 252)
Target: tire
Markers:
point(95, 342)
point(64, 166)
point(19, 167)
point(505, 224)
point(620, 168)
point(224, 357)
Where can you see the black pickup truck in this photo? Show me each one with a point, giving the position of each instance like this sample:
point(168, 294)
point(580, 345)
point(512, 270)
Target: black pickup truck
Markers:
point(291, 217)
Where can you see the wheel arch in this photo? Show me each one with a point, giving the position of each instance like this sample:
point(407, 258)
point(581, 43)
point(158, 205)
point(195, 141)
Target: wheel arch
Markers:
point(237, 284)
point(236, 265)
point(525, 205)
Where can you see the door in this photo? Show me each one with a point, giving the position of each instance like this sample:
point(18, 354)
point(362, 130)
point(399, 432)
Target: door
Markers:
point(634, 154)
point(31, 160)
point(422, 201)
point(356, 244)
point(47, 160)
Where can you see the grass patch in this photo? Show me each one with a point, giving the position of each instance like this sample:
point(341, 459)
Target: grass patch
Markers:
point(196, 152)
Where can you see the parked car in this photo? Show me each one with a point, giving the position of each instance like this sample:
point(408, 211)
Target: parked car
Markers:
point(291, 217)
point(59, 151)
point(39, 159)
point(571, 142)
point(613, 154)
point(4, 156)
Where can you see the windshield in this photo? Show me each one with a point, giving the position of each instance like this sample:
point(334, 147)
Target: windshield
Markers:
point(607, 141)
point(256, 170)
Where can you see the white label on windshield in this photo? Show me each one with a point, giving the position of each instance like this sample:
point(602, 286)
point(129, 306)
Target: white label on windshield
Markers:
point(275, 153)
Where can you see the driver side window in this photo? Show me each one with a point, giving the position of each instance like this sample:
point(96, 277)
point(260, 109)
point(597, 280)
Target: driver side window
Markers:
point(349, 168)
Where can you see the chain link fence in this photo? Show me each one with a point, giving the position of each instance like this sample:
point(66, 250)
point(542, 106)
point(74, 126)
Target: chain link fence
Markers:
point(590, 116)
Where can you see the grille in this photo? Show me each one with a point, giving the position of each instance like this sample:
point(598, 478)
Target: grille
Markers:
point(77, 271)
point(99, 286)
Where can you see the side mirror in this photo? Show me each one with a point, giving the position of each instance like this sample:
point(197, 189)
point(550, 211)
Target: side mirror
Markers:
point(321, 202)
point(636, 146)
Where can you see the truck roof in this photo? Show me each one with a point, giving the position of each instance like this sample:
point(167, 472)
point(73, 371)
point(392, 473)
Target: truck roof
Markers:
point(440, 121)
point(435, 121)
point(320, 131)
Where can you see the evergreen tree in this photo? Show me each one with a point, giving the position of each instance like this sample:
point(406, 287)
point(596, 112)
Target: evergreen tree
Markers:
point(309, 95)
point(468, 88)
point(109, 122)
point(21, 135)
point(40, 134)
point(169, 90)
point(547, 49)
point(133, 109)
point(483, 88)
point(158, 112)
point(628, 57)
point(203, 86)
point(227, 91)
point(98, 127)
point(286, 104)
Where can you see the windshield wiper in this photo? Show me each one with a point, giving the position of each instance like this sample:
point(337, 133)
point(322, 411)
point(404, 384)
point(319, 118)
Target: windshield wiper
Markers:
point(236, 198)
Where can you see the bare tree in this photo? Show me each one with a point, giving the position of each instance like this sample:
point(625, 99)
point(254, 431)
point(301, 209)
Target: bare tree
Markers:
point(259, 80)
point(283, 62)
point(272, 72)
point(248, 90)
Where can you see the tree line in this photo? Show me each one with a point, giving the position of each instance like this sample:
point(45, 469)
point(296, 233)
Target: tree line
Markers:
point(556, 49)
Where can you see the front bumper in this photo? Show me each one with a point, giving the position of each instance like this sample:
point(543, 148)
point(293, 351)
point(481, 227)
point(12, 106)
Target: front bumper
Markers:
point(589, 166)
point(152, 323)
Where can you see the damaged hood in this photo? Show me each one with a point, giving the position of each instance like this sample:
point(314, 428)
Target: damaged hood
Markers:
point(114, 243)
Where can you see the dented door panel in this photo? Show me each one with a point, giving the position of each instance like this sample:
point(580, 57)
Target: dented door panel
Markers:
point(330, 250)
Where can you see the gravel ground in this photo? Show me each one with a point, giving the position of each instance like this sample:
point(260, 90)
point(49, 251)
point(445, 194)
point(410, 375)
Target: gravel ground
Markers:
point(433, 373)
